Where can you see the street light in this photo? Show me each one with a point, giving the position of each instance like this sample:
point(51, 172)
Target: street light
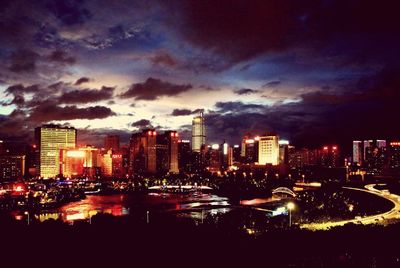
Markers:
point(290, 207)
point(27, 213)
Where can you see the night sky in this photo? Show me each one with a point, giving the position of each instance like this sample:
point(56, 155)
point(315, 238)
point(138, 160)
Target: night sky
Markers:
point(312, 71)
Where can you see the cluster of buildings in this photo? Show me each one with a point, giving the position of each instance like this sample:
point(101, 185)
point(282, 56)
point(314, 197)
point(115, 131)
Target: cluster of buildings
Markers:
point(55, 153)
point(376, 157)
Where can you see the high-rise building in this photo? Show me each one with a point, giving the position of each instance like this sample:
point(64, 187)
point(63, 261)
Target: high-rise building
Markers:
point(51, 139)
point(12, 167)
point(236, 153)
point(184, 156)
point(167, 152)
point(357, 152)
point(143, 153)
point(330, 156)
point(394, 155)
point(112, 142)
point(198, 133)
point(215, 162)
point(381, 143)
point(284, 152)
point(366, 144)
point(79, 162)
point(268, 150)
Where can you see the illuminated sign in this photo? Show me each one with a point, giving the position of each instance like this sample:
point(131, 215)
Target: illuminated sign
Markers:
point(235, 146)
point(395, 143)
point(257, 138)
point(249, 141)
point(117, 156)
point(283, 142)
point(334, 148)
point(325, 148)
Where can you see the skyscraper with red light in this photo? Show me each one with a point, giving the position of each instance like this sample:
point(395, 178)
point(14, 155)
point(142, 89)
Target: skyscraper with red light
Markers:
point(330, 156)
point(167, 152)
point(143, 155)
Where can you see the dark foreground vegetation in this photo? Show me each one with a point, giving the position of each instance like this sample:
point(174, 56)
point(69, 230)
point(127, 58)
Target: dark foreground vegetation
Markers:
point(130, 242)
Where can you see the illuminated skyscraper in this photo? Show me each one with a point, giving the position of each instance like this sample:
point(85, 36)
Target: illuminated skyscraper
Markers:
point(357, 152)
point(51, 139)
point(268, 150)
point(198, 133)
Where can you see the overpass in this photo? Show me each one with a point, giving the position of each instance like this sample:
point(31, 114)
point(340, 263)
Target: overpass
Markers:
point(381, 218)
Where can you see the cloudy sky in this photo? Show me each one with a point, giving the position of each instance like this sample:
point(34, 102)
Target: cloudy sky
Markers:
point(313, 71)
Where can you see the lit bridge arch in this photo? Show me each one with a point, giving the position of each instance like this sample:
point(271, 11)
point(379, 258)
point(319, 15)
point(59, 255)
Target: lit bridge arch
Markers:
point(284, 190)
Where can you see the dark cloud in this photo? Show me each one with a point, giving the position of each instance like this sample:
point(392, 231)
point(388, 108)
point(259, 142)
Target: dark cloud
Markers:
point(163, 58)
point(272, 83)
point(236, 106)
point(153, 88)
point(49, 111)
point(61, 57)
point(341, 31)
point(182, 112)
point(87, 95)
point(245, 91)
point(142, 123)
point(23, 60)
point(69, 12)
point(20, 89)
point(82, 80)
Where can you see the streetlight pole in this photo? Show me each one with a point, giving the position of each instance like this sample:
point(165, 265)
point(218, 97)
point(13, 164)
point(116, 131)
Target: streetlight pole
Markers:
point(27, 213)
point(290, 207)
point(147, 217)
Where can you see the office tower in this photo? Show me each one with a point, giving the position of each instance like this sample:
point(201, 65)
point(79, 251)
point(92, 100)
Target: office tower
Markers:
point(112, 142)
point(248, 151)
point(143, 154)
point(172, 138)
point(283, 152)
point(375, 156)
point(330, 156)
point(236, 153)
point(12, 167)
point(72, 162)
point(215, 162)
point(167, 152)
point(51, 139)
point(357, 152)
point(198, 133)
point(394, 155)
point(366, 144)
point(118, 170)
point(106, 163)
point(79, 162)
point(268, 150)
point(184, 155)
point(381, 143)
point(226, 156)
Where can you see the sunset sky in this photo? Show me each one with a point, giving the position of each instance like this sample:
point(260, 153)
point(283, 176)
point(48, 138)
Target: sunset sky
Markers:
point(311, 71)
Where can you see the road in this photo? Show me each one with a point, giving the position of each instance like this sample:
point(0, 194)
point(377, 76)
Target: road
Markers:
point(382, 218)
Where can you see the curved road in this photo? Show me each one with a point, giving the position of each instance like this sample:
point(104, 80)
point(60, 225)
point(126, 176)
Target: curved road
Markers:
point(382, 218)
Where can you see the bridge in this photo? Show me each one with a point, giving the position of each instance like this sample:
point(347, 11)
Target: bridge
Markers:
point(284, 190)
point(180, 187)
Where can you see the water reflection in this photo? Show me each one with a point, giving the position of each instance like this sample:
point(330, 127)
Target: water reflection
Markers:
point(196, 206)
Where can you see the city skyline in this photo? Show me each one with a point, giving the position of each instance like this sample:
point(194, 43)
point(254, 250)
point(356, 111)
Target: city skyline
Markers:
point(307, 75)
